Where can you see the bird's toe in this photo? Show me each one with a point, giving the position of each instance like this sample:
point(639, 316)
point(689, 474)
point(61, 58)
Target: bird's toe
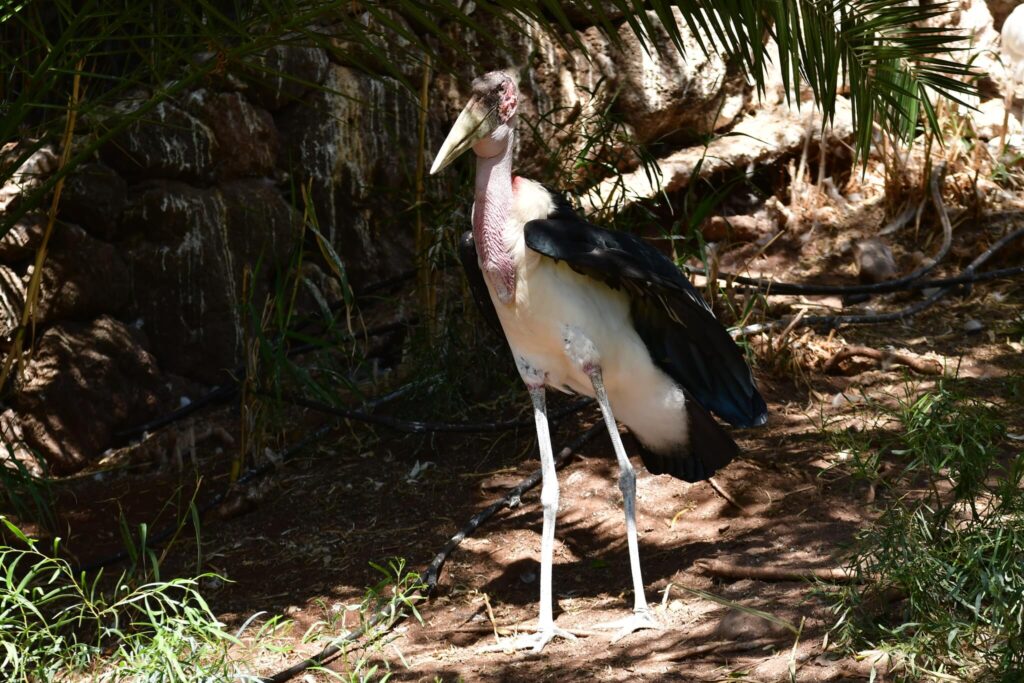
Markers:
point(637, 621)
point(534, 642)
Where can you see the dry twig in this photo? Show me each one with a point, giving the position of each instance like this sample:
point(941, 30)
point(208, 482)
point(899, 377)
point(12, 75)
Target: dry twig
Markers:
point(725, 494)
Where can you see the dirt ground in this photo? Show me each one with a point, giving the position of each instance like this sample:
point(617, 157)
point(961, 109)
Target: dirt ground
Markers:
point(302, 550)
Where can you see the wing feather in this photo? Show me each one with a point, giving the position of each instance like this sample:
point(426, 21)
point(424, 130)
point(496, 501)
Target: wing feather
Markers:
point(681, 333)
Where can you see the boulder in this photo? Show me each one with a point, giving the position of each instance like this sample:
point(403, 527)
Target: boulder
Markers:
point(84, 382)
point(187, 269)
point(1000, 9)
point(261, 225)
point(760, 137)
point(667, 94)
point(93, 197)
point(246, 136)
point(166, 210)
point(284, 73)
point(182, 284)
point(35, 162)
point(12, 302)
point(354, 142)
point(165, 142)
point(14, 452)
point(21, 241)
point(82, 277)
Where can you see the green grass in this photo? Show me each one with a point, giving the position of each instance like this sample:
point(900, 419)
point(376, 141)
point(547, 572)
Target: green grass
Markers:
point(942, 567)
point(56, 625)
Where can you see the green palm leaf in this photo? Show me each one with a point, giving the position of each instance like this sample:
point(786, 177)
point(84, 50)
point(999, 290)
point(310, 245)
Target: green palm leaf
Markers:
point(881, 51)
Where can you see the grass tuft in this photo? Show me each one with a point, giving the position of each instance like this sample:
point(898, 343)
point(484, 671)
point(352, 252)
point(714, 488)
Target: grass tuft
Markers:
point(943, 566)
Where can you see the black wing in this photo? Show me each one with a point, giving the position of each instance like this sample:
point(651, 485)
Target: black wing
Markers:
point(682, 335)
point(475, 276)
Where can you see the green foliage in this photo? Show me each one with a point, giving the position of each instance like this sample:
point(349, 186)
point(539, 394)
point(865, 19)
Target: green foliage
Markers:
point(943, 566)
point(154, 51)
point(54, 624)
point(24, 494)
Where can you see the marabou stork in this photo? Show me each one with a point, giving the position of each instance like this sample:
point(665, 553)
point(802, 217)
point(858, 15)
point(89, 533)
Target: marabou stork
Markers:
point(598, 313)
point(1011, 51)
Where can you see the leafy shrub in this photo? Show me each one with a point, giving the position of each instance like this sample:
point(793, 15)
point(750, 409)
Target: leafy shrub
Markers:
point(943, 565)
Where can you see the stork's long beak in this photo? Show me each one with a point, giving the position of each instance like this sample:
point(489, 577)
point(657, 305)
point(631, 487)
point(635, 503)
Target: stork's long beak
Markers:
point(474, 123)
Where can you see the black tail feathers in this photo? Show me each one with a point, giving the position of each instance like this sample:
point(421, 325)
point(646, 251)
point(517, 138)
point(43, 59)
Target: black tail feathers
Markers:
point(708, 449)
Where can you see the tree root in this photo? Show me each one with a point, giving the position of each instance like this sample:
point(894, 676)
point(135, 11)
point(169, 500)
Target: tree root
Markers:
point(728, 570)
point(886, 359)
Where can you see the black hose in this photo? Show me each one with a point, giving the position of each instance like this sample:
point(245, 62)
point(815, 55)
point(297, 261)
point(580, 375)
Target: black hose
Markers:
point(430, 576)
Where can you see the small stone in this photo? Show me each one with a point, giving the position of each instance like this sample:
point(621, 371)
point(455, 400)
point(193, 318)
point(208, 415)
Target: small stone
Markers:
point(740, 625)
point(529, 576)
point(973, 326)
point(737, 228)
point(874, 259)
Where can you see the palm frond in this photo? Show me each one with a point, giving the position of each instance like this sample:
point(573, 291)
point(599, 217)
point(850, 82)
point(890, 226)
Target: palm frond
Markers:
point(883, 52)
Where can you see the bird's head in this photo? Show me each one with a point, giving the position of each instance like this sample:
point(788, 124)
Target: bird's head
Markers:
point(486, 122)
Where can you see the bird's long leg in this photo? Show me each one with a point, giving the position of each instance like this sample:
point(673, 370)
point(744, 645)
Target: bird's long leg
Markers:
point(642, 616)
point(546, 629)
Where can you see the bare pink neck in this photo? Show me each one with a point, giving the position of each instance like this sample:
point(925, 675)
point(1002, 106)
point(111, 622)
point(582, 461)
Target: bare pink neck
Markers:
point(492, 212)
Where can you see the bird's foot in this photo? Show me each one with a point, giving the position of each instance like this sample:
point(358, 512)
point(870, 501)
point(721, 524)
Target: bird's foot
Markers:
point(530, 641)
point(638, 620)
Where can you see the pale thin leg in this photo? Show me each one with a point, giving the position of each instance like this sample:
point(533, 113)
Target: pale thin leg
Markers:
point(1007, 106)
point(546, 629)
point(642, 617)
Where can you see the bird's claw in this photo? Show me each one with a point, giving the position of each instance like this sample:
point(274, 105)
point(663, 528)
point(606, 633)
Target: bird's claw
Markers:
point(530, 641)
point(637, 621)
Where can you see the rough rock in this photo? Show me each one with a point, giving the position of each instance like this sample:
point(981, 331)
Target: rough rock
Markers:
point(182, 283)
point(186, 274)
point(29, 174)
point(285, 73)
point(562, 111)
point(12, 301)
point(22, 240)
point(246, 137)
point(664, 93)
point(14, 452)
point(166, 142)
point(974, 21)
point(875, 262)
point(737, 228)
point(758, 138)
point(354, 142)
point(93, 197)
point(85, 381)
point(261, 226)
point(1000, 9)
point(568, 92)
point(988, 120)
point(82, 278)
